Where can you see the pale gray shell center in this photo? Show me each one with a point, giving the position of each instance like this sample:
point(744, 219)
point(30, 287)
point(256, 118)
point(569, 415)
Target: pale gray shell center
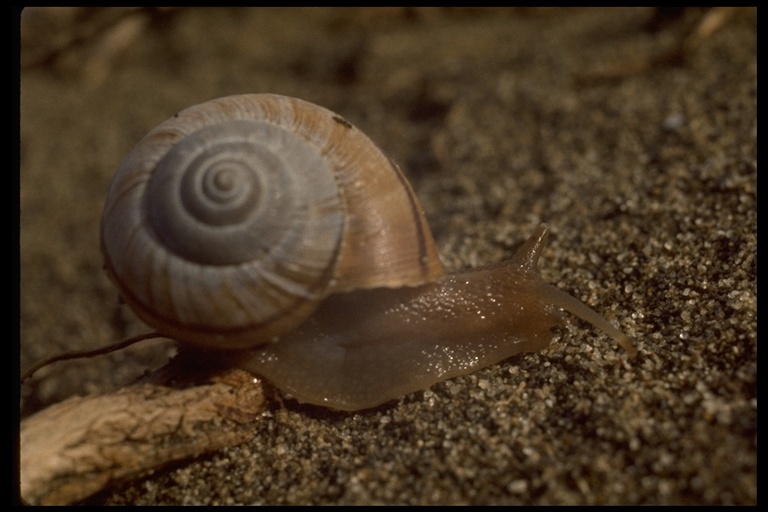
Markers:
point(228, 193)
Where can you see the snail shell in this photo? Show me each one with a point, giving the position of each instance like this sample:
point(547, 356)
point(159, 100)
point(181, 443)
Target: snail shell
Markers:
point(267, 223)
point(230, 222)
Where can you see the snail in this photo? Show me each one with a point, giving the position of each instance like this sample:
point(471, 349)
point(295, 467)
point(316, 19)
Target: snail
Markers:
point(274, 230)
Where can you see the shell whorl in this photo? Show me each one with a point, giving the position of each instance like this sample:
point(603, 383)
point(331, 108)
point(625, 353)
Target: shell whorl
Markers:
point(248, 190)
point(229, 222)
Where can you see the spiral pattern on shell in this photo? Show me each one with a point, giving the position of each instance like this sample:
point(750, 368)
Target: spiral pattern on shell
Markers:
point(229, 222)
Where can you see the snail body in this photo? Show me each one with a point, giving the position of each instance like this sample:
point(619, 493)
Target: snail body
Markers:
point(274, 228)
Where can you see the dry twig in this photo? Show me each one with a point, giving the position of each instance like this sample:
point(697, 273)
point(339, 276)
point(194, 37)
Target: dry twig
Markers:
point(78, 447)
